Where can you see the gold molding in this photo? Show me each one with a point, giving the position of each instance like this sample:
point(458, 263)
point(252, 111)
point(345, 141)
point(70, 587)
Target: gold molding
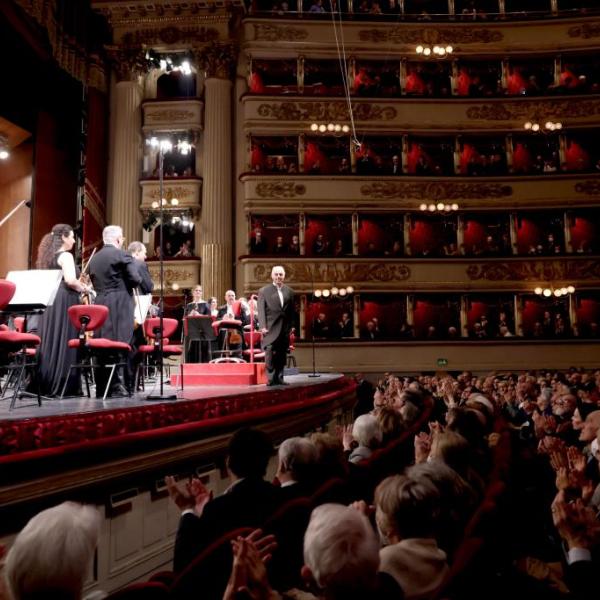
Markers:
point(171, 35)
point(334, 272)
point(266, 32)
point(128, 62)
point(435, 190)
point(590, 187)
point(280, 189)
point(585, 31)
point(430, 35)
point(535, 270)
point(326, 111)
point(535, 111)
point(218, 60)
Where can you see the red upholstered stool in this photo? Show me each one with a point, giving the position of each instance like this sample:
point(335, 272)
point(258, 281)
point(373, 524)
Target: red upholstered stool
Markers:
point(154, 334)
point(253, 350)
point(229, 327)
point(87, 318)
point(17, 351)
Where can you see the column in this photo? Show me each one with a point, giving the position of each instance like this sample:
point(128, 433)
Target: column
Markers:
point(402, 77)
point(573, 316)
point(454, 78)
point(356, 315)
point(301, 232)
point(126, 152)
point(216, 246)
point(464, 322)
point(355, 225)
point(460, 235)
point(303, 309)
point(513, 234)
point(300, 74)
point(518, 309)
point(568, 217)
point(509, 152)
point(407, 224)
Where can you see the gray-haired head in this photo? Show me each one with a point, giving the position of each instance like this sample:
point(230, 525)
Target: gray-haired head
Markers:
point(113, 234)
point(297, 456)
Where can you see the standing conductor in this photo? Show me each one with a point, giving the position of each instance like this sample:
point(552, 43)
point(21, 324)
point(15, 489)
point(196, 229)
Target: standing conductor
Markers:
point(276, 315)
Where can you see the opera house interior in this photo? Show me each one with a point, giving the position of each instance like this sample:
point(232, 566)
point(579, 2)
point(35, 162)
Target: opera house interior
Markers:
point(426, 176)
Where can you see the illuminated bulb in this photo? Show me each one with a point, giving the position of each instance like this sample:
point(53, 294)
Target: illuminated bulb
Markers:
point(174, 202)
point(557, 293)
point(440, 206)
point(420, 49)
point(338, 127)
point(449, 49)
point(549, 125)
point(334, 291)
point(431, 208)
point(528, 125)
point(314, 127)
point(538, 291)
point(442, 51)
point(350, 289)
point(163, 202)
point(571, 289)
point(557, 125)
point(184, 147)
point(175, 220)
point(155, 204)
point(175, 287)
point(454, 206)
point(423, 207)
point(447, 207)
point(317, 293)
point(322, 128)
point(345, 128)
point(343, 292)
point(436, 49)
point(535, 127)
point(330, 127)
point(153, 142)
point(163, 64)
point(547, 292)
point(564, 291)
point(326, 293)
point(186, 68)
point(427, 51)
point(4, 154)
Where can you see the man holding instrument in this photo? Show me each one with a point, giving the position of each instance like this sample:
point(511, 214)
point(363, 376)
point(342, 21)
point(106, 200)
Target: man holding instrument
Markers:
point(114, 275)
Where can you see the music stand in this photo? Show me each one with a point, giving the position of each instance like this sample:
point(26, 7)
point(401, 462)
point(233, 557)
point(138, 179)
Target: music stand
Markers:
point(198, 328)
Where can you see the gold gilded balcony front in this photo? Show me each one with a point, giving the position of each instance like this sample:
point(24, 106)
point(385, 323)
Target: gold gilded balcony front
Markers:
point(183, 274)
point(274, 114)
point(270, 38)
point(172, 115)
point(346, 193)
point(426, 275)
point(187, 191)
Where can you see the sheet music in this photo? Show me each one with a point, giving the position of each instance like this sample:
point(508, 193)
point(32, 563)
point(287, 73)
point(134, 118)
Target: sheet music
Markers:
point(142, 305)
point(36, 287)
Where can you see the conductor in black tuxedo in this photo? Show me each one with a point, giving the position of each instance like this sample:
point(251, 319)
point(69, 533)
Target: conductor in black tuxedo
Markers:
point(276, 316)
point(114, 275)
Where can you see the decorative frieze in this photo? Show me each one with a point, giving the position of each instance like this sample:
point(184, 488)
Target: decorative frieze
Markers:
point(536, 270)
point(326, 111)
point(431, 36)
point(266, 32)
point(539, 110)
point(179, 273)
point(280, 189)
point(128, 62)
point(187, 192)
point(439, 190)
point(191, 34)
point(174, 115)
point(217, 60)
point(589, 187)
point(585, 31)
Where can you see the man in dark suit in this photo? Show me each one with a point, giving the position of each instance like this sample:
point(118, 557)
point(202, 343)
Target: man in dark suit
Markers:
point(276, 316)
point(114, 275)
point(247, 502)
point(138, 251)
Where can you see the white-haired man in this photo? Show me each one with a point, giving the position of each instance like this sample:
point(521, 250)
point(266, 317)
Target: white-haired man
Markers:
point(296, 467)
point(276, 316)
point(115, 275)
point(52, 556)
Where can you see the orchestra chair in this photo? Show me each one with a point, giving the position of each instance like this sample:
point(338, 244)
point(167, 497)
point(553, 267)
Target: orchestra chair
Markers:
point(154, 334)
point(252, 341)
point(291, 359)
point(17, 351)
point(229, 327)
point(87, 318)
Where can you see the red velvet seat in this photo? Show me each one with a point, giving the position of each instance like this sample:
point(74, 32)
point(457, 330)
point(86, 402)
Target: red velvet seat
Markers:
point(154, 334)
point(17, 349)
point(253, 351)
point(87, 318)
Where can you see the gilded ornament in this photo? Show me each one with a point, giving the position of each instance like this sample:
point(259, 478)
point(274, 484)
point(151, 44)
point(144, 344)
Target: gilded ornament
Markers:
point(170, 114)
point(590, 187)
point(171, 35)
point(534, 111)
point(217, 60)
point(280, 189)
point(535, 270)
point(435, 190)
point(331, 272)
point(325, 111)
point(128, 62)
point(585, 31)
point(428, 35)
point(264, 32)
point(177, 191)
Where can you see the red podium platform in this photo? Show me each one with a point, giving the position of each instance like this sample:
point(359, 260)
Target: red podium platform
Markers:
point(220, 374)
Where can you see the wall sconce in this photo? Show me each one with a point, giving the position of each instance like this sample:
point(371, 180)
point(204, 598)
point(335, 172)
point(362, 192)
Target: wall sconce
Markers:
point(333, 292)
point(547, 292)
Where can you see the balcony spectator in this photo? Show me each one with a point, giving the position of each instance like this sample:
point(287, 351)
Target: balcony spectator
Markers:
point(371, 331)
point(292, 168)
point(396, 168)
point(344, 167)
point(280, 246)
point(317, 7)
point(346, 327)
point(257, 243)
point(396, 249)
point(321, 328)
point(185, 250)
point(294, 245)
point(450, 249)
point(320, 245)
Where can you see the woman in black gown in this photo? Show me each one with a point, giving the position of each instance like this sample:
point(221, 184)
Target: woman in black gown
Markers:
point(54, 252)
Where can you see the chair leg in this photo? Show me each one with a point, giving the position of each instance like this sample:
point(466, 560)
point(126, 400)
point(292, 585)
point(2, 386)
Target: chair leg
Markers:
point(86, 376)
point(64, 387)
point(13, 402)
point(109, 381)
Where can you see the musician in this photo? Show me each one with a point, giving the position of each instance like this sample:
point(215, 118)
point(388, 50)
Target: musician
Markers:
point(228, 311)
point(197, 306)
point(138, 251)
point(196, 352)
point(54, 252)
point(114, 275)
point(276, 315)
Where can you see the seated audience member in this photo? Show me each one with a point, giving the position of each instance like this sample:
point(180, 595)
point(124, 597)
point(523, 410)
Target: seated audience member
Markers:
point(320, 245)
point(246, 503)
point(296, 468)
point(185, 250)
point(344, 166)
point(407, 515)
point(320, 328)
point(371, 331)
point(257, 243)
point(52, 555)
point(366, 431)
point(331, 460)
point(396, 168)
point(395, 250)
point(294, 245)
point(346, 327)
point(338, 248)
point(391, 423)
point(280, 246)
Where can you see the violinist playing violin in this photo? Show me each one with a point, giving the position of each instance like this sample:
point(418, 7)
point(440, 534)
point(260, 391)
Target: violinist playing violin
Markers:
point(54, 252)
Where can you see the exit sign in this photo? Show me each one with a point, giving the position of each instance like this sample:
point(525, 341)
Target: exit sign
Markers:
point(442, 362)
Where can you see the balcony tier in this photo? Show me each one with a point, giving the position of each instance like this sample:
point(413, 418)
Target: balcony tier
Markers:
point(293, 115)
point(425, 275)
point(345, 193)
point(172, 115)
point(184, 273)
point(188, 192)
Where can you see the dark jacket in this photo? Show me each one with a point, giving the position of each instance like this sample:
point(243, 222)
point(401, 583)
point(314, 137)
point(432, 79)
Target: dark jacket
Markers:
point(277, 319)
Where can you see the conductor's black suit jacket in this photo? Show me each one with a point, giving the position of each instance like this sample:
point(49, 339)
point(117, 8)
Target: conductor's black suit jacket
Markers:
point(277, 319)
